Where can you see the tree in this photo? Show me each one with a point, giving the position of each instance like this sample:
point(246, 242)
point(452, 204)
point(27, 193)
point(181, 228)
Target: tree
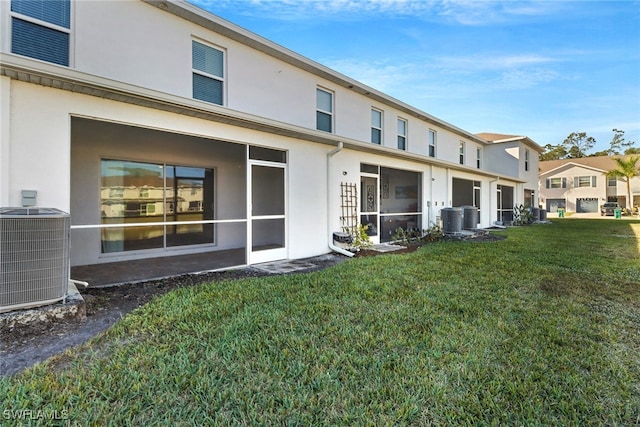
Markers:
point(632, 150)
point(626, 169)
point(618, 144)
point(577, 144)
point(553, 152)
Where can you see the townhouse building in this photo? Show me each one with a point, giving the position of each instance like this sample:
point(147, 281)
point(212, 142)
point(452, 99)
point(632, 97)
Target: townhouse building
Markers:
point(163, 129)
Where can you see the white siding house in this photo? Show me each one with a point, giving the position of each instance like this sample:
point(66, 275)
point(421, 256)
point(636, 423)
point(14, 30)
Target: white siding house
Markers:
point(163, 129)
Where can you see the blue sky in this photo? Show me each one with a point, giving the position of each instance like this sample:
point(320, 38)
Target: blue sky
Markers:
point(538, 68)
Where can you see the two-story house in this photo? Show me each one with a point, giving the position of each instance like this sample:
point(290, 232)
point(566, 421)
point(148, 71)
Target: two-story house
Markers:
point(163, 130)
point(580, 185)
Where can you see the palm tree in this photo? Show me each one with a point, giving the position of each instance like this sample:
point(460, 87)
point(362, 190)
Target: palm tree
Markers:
point(626, 169)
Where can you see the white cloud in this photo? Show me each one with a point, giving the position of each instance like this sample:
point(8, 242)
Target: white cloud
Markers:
point(457, 11)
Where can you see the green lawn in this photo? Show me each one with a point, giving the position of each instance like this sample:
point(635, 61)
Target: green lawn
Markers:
point(542, 328)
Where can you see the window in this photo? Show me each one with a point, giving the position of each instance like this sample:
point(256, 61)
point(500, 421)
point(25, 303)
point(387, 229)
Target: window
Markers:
point(402, 134)
point(376, 126)
point(155, 193)
point(612, 182)
point(526, 160)
point(557, 183)
point(324, 110)
point(208, 73)
point(432, 143)
point(585, 181)
point(40, 29)
point(478, 158)
point(465, 192)
point(461, 152)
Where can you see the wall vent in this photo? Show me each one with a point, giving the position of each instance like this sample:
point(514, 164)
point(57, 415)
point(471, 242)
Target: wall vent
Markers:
point(34, 257)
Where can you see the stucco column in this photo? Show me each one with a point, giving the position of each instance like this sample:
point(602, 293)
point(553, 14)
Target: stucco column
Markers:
point(5, 134)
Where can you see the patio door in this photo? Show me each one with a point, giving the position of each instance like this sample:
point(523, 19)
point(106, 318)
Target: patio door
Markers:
point(369, 205)
point(267, 225)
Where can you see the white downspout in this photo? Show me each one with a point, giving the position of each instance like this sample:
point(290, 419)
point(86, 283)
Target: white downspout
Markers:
point(329, 210)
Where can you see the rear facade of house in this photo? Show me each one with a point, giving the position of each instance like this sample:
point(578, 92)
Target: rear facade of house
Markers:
point(165, 130)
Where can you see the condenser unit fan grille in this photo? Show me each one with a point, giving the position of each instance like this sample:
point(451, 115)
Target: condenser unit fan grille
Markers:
point(34, 257)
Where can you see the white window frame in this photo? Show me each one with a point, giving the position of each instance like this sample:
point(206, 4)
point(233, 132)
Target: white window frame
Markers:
point(584, 181)
point(36, 21)
point(462, 148)
point(322, 111)
point(433, 135)
point(379, 129)
point(221, 79)
point(526, 160)
point(612, 182)
point(478, 157)
point(402, 136)
point(557, 182)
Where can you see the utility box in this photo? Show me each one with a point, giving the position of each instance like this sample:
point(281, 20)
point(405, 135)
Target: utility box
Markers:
point(34, 257)
point(451, 220)
point(29, 198)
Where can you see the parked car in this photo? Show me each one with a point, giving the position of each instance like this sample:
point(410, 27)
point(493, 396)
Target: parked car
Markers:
point(609, 208)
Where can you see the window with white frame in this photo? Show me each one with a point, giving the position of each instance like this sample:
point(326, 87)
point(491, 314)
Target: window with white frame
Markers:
point(376, 126)
point(432, 143)
point(41, 29)
point(526, 160)
point(461, 150)
point(584, 181)
point(402, 134)
point(612, 182)
point(208, 73)
point(478, 154)
point(324, 110)
point(556, 183)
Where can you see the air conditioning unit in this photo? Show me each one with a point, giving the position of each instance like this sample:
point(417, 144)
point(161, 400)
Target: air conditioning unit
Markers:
point(34, 257)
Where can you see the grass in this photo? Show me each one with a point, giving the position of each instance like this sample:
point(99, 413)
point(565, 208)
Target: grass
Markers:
point(542, 328)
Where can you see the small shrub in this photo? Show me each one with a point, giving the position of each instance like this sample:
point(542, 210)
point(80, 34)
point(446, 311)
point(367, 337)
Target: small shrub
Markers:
point(361, 239)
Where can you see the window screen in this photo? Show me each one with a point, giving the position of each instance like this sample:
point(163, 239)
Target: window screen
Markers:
point(57, 12)
point(39, 42)
point(208, 73)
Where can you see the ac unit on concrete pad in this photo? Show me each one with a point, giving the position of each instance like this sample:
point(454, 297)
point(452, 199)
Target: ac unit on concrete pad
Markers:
point(34, 257)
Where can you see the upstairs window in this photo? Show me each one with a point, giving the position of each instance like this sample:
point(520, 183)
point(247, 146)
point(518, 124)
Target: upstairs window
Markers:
point(478, 154)
point(432, 143)
point(461, 150)
point(40, 29)
point(376, 126)
point(526, 160)
point(208, 73)
point(612, 182)
point(585, 181)
point(556, 183)
point(402, 134)
point(324, 110)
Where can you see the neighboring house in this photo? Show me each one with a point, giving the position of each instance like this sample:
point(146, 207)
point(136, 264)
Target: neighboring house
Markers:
point(580, 185)
point(163, 129)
